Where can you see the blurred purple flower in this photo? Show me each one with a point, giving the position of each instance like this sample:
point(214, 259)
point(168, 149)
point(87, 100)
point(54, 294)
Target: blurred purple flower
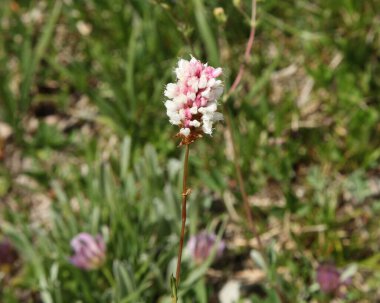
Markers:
point(201, 245)
point(329, 278)
point(89, 251)
point(8, 254)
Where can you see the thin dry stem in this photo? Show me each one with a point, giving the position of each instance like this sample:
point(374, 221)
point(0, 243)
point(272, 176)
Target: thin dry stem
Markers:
point(185, 193)
point(236, 154)
point(247, 52)
point(236, 157)
point(235, 151)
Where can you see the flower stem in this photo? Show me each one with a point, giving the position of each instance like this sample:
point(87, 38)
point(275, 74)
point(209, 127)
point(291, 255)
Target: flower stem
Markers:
point(185, 193)
point(235, 151)
point(236, 158)
point(247, 53)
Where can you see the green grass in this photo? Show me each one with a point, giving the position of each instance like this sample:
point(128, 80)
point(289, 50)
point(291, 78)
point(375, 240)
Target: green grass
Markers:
point(103, 160)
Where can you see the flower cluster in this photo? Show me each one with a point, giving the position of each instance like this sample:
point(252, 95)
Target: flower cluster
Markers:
point(201, 245)
point(330, 279)
point(89, 251)
point(193, 99)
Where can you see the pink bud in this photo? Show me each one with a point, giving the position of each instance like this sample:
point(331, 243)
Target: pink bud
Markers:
point(201, 245)
point(89, 251)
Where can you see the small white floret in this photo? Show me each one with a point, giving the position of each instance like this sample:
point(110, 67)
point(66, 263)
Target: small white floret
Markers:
point(202, 82)
point(195, 123)
point(193, 110)
point(208, 109)
point(171, 106)
point(207, 127)
point(206, 93)
point(193, 83)
point(211, 82)
point(180, 99)
point(191, 96)
point(182, 113)
point(171, 90)
point(185, 131)
point(182, 69)
point(174, 118)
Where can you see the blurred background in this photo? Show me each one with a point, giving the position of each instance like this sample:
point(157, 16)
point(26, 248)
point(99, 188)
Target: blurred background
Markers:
point(86, 150)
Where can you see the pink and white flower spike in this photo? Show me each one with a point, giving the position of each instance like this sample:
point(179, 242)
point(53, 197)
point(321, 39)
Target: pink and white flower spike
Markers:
point(192, 100)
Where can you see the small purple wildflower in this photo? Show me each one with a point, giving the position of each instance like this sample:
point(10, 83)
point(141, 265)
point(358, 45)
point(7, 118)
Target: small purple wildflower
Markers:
point(8, 254)
point(89, 251)
point(201, 245)
point(329, 279)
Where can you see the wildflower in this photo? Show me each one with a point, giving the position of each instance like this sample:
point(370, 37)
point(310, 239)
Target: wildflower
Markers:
point(201, 245)
point(8, 254)
point(89, 251)
point(329, 279)
point(192, 103)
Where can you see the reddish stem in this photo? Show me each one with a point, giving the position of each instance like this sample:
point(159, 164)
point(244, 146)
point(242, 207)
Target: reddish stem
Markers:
point(235, 151)
point(247, 50)
point(185, 193)
point(247, 209)
point(236, 155)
